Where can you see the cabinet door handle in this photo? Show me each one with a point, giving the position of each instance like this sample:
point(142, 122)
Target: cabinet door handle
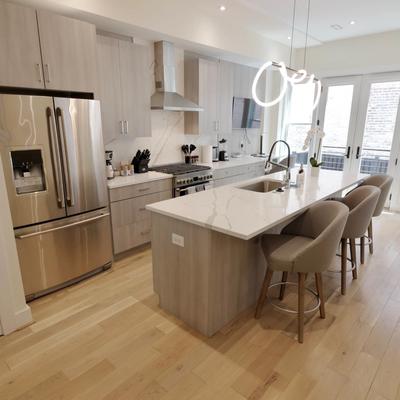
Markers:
point(126, 127)
point(47, 73)
point(358, 153)
point(39, 72)
point(348, 152)
point(121, 130)
point(144, 189)
point(145, 232)
point(142, 209)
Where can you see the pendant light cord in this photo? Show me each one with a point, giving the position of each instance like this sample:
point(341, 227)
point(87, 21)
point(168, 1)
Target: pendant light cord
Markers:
point(306, 43)
point(292, 37)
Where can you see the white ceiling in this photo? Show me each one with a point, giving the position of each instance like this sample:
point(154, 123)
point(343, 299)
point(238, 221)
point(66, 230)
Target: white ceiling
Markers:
point(371, 16)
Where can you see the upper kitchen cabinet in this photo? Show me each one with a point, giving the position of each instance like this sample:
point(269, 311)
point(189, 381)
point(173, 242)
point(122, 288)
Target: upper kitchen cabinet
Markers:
point(135, 88)
point(225, 96)
point(243, 78)
point(20, 61)
point(109, 87)
point(124, 87)
point(68, 53)
point(209, 83)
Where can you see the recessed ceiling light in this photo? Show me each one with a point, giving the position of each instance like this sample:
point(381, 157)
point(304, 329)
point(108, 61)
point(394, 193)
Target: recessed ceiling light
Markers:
point(222, 8)
point(289, 38)
point(352, 22)
point(337, 27)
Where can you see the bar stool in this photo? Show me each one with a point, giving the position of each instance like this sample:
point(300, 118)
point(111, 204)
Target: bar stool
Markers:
point(361, 202)
point(307, 245)
point(384, 183)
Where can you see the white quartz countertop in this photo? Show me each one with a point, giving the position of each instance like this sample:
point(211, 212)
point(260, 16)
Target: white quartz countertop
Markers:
point(236, 162)
point(246, 214)
point(134, 179)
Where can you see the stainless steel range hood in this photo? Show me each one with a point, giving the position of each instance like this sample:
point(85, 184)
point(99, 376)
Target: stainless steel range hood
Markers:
point(165, 97)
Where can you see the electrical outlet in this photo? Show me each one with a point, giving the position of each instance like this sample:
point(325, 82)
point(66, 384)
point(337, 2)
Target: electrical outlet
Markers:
point(178, 240)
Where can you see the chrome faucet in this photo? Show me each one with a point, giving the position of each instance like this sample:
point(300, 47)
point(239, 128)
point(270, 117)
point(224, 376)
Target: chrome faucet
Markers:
point(285, 167)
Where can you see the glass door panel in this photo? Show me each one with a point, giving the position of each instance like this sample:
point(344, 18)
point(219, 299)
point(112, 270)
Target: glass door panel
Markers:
point(336, 125)
point(379, 128)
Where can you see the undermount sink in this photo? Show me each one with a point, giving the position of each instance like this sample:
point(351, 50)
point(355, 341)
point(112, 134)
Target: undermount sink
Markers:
point(264, 186)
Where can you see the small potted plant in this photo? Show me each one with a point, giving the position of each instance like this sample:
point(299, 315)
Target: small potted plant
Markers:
point(315, 166)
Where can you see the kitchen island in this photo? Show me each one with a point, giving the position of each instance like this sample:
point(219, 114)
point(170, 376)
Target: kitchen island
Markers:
point(207, 262)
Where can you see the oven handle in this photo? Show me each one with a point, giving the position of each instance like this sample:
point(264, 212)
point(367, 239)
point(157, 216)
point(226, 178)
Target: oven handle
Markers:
point(206, 185)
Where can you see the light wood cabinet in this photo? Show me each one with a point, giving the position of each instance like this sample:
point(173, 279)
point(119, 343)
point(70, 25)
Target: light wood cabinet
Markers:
point(208, 83)
point(243, 81)
point(225, 96)
point(124, 88)
point(131, 225)
point(68, 52)
point(40, 49)
point(135, 88)
point(109, 87)
point(20, 60)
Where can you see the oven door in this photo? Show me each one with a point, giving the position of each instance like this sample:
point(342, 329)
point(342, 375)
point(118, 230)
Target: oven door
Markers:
point(199, 187)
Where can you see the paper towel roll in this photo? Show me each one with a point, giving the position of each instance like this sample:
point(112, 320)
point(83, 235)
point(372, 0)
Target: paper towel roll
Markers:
point(206, 154)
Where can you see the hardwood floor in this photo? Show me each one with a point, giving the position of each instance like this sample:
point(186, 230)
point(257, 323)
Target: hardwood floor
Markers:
point(105, 338)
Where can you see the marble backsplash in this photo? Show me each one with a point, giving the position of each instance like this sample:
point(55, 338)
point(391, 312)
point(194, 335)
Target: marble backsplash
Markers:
point(168, 137)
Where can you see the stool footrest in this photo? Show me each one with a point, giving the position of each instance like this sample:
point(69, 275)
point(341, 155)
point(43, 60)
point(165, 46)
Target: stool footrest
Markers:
point(289, 310)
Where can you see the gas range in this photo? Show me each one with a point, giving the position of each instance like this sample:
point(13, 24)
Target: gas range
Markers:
point(188, 178)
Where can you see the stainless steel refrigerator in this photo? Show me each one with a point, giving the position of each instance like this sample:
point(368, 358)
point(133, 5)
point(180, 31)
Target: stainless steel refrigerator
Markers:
point(53, 160)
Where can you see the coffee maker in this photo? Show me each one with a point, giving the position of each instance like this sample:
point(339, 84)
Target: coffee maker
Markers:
point(109, 166)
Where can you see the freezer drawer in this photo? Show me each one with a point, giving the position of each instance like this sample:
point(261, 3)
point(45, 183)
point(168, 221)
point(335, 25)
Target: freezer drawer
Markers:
point(54, 254)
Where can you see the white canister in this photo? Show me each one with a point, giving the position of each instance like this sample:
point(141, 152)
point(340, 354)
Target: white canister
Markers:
point(206, 154)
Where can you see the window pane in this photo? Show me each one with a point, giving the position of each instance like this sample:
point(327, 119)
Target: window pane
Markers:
point(380, 122)
point(336, 126)
point(296, 137)
point(301, 102)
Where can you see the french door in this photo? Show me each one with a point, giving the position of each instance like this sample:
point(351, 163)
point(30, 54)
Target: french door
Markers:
point(361, 120)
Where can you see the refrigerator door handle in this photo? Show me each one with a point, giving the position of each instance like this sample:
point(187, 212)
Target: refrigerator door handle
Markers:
point(55, 157)
point(70, 194)
point(84, 221)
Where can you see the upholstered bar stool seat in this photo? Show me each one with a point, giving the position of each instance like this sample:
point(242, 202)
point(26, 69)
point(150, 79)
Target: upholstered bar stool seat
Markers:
point(384, 183)
point(361, 202)
point(307, 245)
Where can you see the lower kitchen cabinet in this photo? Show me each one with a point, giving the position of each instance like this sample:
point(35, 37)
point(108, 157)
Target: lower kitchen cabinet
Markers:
point(226, 176)
point(131, 223)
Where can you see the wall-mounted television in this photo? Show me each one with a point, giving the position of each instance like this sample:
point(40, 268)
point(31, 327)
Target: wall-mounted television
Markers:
point(246, 113)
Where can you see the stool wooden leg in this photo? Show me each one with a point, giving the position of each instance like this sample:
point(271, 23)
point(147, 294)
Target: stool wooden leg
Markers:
point(320, 291)
point(371, 238)
point(344, 264)
point(353, 256)
point(264, 291)
point(300, 311)
point(362, 250)
point(283, 287)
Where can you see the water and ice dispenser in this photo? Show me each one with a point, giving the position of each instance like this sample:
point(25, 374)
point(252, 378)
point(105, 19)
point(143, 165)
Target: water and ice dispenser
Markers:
point(28, 171)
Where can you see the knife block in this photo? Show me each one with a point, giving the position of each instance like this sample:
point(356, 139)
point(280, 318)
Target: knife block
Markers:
point(141, 166)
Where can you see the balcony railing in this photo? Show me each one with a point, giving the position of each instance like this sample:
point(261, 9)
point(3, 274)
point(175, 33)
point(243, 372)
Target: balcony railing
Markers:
point(371, 162)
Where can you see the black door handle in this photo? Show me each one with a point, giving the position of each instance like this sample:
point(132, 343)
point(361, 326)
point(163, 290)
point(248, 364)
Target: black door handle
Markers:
point(358, 153)
point(348, 152)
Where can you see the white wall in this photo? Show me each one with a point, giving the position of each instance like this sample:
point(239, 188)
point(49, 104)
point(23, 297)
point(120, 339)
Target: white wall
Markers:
point(14, 312)
point(361, 55)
